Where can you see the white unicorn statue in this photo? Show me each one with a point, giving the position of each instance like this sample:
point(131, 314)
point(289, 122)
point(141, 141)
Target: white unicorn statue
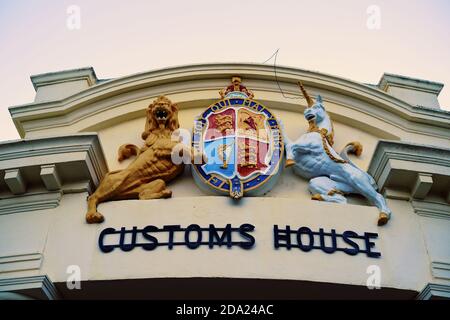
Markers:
point(331, 175)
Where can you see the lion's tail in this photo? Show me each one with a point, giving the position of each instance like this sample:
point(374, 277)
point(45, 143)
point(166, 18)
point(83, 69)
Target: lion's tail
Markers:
point(127, 150)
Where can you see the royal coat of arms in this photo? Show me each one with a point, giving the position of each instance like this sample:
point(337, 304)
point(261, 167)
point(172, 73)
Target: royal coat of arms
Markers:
point(242, 144)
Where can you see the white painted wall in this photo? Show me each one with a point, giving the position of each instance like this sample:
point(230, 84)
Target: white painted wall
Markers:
point(70, 241)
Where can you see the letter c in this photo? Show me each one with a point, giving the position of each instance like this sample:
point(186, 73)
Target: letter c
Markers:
point(106, 248)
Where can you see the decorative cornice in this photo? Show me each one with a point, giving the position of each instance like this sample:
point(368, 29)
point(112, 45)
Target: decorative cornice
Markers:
point(51, 165)
point(387, 150)
point(41, 287)
point(432, 291)
point(410, 166)
point(30, 261)
point(431, 209)
point(31, 202)
point(59, 110)
point(431, 109)
point(49, 78)
point(389, 79)
point(440, 270)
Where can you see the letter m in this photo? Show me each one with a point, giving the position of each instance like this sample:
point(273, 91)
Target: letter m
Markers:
point(215, 239)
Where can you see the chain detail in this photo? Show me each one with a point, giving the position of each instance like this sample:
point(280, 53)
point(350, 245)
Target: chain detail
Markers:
point(327, 139)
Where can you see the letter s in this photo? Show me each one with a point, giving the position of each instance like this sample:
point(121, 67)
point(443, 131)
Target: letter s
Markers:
point(244, 231)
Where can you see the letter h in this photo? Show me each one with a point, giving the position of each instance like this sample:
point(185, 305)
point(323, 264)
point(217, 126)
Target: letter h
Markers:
point(282, 238)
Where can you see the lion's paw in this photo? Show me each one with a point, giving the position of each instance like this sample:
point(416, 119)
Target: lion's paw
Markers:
point(94, 217)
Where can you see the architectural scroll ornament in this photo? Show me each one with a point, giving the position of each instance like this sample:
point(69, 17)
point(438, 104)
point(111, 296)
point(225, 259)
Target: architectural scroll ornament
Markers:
point(146, 177)
point(331, 175)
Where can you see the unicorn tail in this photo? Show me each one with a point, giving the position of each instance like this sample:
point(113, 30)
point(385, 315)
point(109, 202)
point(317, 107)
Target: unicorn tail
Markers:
point(355, 148)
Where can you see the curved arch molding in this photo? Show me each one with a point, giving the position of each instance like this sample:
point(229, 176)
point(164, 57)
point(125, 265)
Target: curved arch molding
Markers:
point(112, 101)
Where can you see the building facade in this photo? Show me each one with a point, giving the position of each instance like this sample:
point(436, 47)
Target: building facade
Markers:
point(280, 243)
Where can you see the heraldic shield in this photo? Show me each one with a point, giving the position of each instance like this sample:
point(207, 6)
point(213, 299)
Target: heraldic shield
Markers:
point(243, 145)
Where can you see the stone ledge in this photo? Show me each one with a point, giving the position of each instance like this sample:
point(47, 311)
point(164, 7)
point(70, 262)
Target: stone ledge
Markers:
point(434, 291)
point(389, 79)
point(440, 270)
point(50, 78)
point(25, 203)
point(421, 170)
point(431, 209)
point(37, 287)
point(31, 261)
point(35, 172)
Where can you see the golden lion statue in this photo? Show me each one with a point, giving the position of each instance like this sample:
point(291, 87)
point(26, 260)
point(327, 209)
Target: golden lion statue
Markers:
point(146, 177)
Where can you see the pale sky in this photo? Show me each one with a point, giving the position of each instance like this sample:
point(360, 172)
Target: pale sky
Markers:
point(118, 38)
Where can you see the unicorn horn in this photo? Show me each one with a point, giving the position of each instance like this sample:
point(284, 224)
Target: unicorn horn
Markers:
point(306, 95)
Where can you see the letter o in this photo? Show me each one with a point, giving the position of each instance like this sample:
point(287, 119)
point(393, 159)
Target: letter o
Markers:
point(307, 231)
point(198, 242)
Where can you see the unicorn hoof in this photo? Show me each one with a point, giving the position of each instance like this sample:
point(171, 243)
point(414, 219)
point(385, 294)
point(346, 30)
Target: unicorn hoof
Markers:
point(382, 219)
point(317, 197)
